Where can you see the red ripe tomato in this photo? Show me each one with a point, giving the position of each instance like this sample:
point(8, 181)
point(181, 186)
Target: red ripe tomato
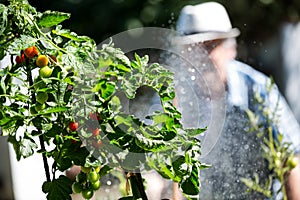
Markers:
point(96, 132)
point(30, 52)
point(20, 59)
point(73, 126)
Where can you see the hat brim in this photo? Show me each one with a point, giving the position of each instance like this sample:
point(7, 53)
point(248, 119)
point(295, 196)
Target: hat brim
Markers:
point(206, 36)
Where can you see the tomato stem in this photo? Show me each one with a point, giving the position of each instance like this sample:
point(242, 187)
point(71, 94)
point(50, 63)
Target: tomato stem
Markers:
point(45, 161)
point(41, 139)
point(137, 186)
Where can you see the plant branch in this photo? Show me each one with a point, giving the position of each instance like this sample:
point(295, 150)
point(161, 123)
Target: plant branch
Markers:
point(45, 161)
point(137, 186)
point(41, 139)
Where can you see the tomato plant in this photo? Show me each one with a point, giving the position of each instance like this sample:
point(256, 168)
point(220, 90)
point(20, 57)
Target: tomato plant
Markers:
point(66, 78)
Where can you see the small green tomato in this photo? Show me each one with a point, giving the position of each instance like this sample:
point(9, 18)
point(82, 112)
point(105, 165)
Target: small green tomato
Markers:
point(45, 72)
point(76, 187)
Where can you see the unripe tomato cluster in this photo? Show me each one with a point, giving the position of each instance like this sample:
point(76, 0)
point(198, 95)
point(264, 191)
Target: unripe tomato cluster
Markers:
point(87, 182)
point(31, 56)
point(41, 61)
point(41, 97)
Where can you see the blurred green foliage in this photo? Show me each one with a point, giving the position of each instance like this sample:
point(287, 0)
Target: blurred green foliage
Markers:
point(101, 19)
point(258, 20)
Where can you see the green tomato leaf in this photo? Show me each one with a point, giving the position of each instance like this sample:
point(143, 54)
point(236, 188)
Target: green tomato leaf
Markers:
point(195, 132)
point(191, 185)
point(55, 130)
point(79, 156)
point(152, 145)
point(58, 189)
point(54, 110)
point(3, 18)
point(2, 53)
point(52, 18)
point(21, 43)
point(124, 60)
point(105, 170)
point(70, 35)
point(123, 68)
point(105, 88)
point(70, 154)
point(24, 147)
point(179, 166)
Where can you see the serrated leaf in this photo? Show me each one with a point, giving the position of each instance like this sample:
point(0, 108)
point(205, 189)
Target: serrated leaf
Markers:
point(191, 185)
point(123, 68)
point(179, 166)
point(70, 35)
point(58, 189)
point(70, 154)
point(3, 85)
point(52, 18)
point(3, 18)
point(21, 43)
point(195, 132)
point(105, 88)
point(105, 170)
point(123, 59)
point(2, 53)
point(54, 110)
point(105, 62)
point(24, 147)
point(55, 130)
point(151, 145)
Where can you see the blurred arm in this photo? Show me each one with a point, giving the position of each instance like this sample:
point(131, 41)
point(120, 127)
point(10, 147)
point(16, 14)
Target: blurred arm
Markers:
point(293, 183)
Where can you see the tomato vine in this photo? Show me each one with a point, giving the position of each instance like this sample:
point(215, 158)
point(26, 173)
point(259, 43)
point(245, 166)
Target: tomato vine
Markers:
point(61, 96)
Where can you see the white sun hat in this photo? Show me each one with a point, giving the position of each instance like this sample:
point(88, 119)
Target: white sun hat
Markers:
point(204, 22)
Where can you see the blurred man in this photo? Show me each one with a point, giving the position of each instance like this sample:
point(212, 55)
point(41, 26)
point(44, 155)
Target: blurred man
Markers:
point(236, 155)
